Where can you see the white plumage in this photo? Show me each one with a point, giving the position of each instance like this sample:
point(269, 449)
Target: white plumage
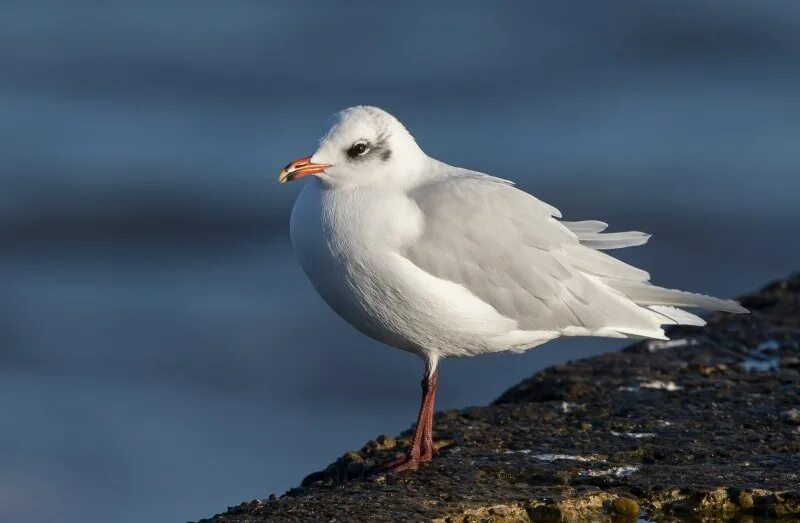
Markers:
point(443, 261)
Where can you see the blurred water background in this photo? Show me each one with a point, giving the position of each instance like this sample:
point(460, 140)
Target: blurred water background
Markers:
point(161, 354)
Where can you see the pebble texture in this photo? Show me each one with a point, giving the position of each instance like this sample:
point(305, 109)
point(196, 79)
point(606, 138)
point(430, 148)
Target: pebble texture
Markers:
point(705, 427)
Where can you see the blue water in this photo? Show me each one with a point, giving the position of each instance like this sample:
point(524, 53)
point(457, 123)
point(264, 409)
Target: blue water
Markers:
point(161, 354)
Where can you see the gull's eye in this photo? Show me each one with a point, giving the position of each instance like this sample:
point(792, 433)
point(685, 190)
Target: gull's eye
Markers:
point(358, 149)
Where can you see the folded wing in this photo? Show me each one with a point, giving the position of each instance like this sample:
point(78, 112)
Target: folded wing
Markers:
point(509, 249)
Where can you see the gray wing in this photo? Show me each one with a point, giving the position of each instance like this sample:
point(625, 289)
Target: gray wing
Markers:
point(509, 249)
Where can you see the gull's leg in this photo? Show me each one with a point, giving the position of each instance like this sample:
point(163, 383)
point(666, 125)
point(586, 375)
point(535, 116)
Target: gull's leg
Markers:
point(421, 449)
point(429, 386)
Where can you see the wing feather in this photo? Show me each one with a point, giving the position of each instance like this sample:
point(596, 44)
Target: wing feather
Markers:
point(507, 247)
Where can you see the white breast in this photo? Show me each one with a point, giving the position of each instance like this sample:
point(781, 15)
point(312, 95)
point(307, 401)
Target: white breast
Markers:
point(343, 240)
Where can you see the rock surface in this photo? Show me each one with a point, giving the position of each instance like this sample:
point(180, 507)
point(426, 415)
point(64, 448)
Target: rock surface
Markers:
point(705, 427)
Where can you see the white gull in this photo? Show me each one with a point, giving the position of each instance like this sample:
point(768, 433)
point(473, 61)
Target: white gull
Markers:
point(442, 261)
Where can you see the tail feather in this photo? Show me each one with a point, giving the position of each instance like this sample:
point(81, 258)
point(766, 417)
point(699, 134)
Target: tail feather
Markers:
point(678, 316)
point(646, 294)
point(631, 282)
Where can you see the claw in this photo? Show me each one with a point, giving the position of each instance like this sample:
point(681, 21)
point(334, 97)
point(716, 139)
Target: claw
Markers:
point(406, 462)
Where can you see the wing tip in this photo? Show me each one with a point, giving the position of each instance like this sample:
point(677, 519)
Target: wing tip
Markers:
point(614, 240)
point(736, 307)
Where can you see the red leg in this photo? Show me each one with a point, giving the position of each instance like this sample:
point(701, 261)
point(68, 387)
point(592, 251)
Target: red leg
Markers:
point(426, 452)
point(421, 449)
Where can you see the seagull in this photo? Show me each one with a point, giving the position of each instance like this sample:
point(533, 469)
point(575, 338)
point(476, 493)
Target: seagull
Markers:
point(442, 261)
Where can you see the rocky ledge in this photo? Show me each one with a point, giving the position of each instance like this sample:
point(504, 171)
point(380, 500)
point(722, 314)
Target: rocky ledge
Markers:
point(705, 427)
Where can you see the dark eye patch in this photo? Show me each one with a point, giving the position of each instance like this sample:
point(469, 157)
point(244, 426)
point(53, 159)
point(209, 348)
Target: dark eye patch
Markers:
point(363, 149)
point(358, 149)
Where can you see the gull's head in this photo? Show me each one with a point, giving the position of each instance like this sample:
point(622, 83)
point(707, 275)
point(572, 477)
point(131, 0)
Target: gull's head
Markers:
point(361, 145)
